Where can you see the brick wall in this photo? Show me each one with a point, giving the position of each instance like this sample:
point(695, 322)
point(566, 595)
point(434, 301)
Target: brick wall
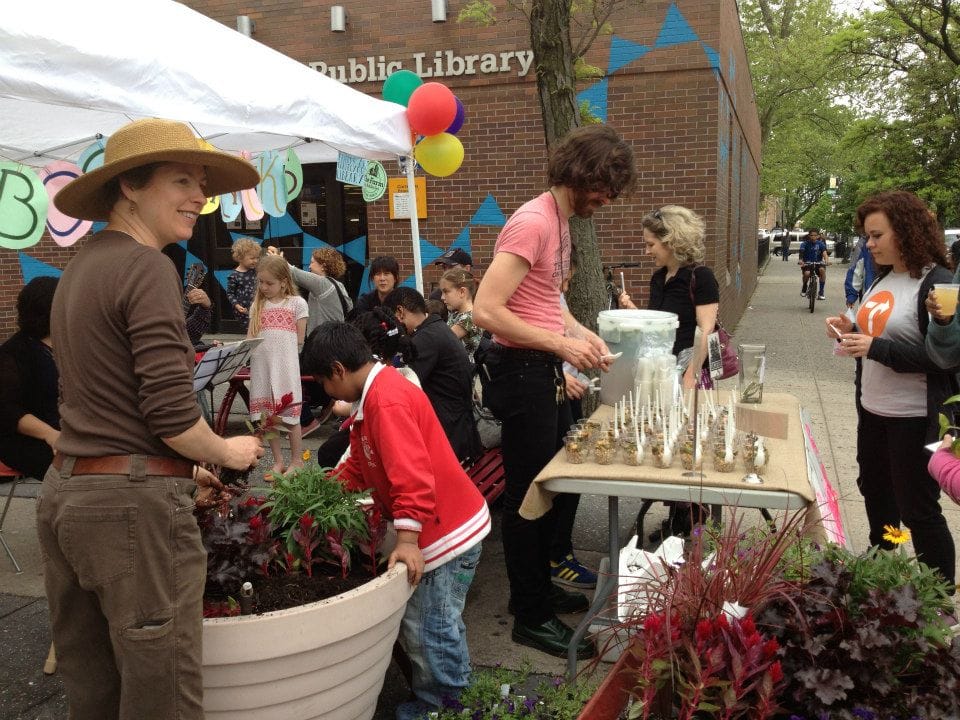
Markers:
point(677, 86)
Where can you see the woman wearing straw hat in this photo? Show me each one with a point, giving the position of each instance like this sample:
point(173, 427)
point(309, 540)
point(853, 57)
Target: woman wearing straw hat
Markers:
point(124, 565)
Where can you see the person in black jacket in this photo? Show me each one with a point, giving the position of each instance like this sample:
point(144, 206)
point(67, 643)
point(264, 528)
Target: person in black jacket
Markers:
point(444, 369)
point(385, 276)
point(29, 418)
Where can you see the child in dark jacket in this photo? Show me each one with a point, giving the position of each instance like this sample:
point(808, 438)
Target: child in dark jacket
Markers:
point(399, 451)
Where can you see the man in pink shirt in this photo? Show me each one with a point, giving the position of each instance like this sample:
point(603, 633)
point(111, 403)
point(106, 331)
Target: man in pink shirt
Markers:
point(518, 301)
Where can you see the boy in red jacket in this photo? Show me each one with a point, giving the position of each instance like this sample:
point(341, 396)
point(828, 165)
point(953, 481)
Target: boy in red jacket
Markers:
point(399, 451)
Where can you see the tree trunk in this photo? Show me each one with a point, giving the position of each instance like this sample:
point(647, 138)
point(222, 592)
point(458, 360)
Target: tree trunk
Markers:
point(556, 87)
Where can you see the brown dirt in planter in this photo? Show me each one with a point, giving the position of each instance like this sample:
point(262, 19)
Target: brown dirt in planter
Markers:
point(287, 591)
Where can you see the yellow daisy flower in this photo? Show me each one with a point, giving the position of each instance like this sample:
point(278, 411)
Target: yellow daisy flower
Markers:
point(895, 535)
point(306, 455)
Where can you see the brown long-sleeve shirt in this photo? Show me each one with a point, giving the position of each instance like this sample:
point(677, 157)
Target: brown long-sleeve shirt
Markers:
point(126, 366)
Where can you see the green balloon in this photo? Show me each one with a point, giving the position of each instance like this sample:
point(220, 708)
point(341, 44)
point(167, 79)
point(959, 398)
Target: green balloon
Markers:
point(400, 86)
point(23, 206)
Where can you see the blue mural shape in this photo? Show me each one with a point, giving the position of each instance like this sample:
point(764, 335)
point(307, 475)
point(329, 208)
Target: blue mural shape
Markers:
point(31, 268)
point(279, 227)
point(675, 29)
point(712, 56)
point(355, 249)
point(623, 52)
point(596, 97)
point(731, 67)
point(489, 213)
point(221, 276)
point(463, 241)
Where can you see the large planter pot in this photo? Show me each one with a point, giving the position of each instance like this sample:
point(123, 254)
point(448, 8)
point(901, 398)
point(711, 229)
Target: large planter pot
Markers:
point(322, 660)
point(612, 695)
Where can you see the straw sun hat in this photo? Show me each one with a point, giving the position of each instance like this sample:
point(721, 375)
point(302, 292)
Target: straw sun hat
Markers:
point(148, 141)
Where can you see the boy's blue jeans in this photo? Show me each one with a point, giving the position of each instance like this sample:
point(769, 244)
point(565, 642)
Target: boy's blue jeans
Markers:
point(433, 633)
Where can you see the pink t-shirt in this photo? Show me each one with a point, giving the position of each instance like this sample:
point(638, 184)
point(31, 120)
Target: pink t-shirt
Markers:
point(540, 234)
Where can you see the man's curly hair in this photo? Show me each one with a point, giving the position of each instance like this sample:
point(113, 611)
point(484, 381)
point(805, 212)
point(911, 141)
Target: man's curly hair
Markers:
point(593, 158)
point(917, 233)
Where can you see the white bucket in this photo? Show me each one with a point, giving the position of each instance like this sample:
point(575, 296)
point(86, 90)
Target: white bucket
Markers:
point(640, 335)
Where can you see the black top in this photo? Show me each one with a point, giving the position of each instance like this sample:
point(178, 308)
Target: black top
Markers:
point(446, 375)
point(674, 296)
point(367, 301)
point(29, 387)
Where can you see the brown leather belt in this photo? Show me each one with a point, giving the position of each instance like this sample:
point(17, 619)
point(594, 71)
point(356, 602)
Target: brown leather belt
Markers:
point(123, 465)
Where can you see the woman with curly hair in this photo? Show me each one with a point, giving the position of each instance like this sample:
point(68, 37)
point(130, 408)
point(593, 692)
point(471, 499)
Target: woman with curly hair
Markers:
point(327, 298)
point(681, 285)
point(900, 389)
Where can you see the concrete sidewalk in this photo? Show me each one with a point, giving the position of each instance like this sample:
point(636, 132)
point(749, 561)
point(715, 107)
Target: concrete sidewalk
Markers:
point(799, 361)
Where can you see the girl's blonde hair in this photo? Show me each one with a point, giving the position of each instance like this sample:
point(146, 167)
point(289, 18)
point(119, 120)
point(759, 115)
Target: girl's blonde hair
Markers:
point(460, 278)
point(243, 247)
point(331, 260)
point(278, 267)
point(680, 229)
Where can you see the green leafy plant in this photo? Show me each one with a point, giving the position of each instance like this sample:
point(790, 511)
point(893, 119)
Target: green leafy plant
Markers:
point(317, 521)
point(861, 637)
point(947, 427)
point(502, 694)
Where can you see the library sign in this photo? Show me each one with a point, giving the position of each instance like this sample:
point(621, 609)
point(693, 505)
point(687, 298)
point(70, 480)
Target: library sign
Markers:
point(443, 63)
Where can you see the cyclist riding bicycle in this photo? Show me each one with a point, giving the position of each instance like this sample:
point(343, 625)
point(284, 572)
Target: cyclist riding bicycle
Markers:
point(813, 250)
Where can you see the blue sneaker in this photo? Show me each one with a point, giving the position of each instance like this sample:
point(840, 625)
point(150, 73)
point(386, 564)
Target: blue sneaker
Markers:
point(571, 573)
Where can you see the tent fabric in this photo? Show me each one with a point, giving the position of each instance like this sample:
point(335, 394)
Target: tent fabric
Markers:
point(72, 71)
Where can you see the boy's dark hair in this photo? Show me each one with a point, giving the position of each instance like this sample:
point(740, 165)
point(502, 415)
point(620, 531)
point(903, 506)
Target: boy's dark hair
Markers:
point(33, 306)
point(334, 342)
point(955, 254)
point(436, 307)
point(385, 263)
point(385, 335)
point(407, 298)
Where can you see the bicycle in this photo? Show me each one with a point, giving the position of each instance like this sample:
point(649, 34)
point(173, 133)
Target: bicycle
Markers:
point(813, 282)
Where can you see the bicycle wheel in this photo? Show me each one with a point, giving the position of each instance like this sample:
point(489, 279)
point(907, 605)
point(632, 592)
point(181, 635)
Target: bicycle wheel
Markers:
point(812, 290)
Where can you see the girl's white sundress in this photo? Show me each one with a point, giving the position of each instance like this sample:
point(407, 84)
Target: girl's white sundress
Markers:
point(275, 364)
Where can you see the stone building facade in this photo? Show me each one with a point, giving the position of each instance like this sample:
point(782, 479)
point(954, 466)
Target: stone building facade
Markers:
point(675, 82)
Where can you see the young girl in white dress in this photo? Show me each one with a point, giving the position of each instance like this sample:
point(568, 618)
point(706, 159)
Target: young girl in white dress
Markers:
point(278, 316)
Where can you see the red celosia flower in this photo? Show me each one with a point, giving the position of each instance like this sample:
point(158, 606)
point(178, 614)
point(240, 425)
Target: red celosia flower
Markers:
point(770, 648)
point(776, 672)
point(256, 522)
point(306, 522)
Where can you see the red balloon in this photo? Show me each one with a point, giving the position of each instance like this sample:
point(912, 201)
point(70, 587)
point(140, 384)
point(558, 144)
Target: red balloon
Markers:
point(431, 109)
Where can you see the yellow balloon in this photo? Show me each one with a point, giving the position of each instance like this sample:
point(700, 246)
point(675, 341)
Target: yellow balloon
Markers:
point(440, 154)
point(212, 204)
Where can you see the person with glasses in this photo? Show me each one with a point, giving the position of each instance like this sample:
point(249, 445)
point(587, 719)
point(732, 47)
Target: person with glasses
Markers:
point(518, 301)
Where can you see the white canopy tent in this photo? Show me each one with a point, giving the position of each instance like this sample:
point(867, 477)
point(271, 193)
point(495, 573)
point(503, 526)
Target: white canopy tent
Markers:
point(70, 72)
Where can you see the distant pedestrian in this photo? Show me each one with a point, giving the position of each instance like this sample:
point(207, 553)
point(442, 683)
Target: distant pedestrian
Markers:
point(784, 244)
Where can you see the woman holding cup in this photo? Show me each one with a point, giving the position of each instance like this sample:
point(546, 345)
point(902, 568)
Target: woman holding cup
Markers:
point(900, 388)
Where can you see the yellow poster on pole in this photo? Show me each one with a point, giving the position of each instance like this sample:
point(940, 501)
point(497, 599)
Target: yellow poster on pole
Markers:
point(400, 201)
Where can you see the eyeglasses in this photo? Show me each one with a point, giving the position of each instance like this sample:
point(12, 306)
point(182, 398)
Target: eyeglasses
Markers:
point(657, 215)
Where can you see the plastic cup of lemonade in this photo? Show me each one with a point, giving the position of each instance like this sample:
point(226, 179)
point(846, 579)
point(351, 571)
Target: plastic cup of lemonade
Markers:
point(946, 296)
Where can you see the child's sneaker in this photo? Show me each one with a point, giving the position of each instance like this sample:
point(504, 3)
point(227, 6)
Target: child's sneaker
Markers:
point(571, 573)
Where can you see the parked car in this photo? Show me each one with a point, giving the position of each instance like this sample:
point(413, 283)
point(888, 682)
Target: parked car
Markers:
point(951, 235)
point(796, 237)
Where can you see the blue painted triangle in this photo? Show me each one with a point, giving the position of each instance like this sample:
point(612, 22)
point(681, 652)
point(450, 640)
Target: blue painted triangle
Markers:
point(282, 226)
point(463, 241)
point(596, 97)
point(355, 249)
point(221, 276)
point(489, 213)
point(189, 260)
point(675, 29)
point(732, 67)
point(712, 56)
point(429, 252)
point(365, 280)
point(623, 52)
point(410, 281)
point(97, 227)
point(31, 268)
point(724, 152)
point(183, 245)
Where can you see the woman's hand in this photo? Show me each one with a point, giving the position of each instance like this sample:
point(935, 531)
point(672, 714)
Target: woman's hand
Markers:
point(856, 344)
point(936, 312)
point(51, 438)
point(243, 452)
point(624, 301)
point(210, 490)
point(272, 250)
point(947, 443)
point(689, 378)
point(838, 325)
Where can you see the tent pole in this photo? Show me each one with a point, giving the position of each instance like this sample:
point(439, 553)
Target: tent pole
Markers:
point(414, 223)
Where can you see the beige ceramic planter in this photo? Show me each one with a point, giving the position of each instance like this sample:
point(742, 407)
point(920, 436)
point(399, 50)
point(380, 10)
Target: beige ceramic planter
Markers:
point(322, 660)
